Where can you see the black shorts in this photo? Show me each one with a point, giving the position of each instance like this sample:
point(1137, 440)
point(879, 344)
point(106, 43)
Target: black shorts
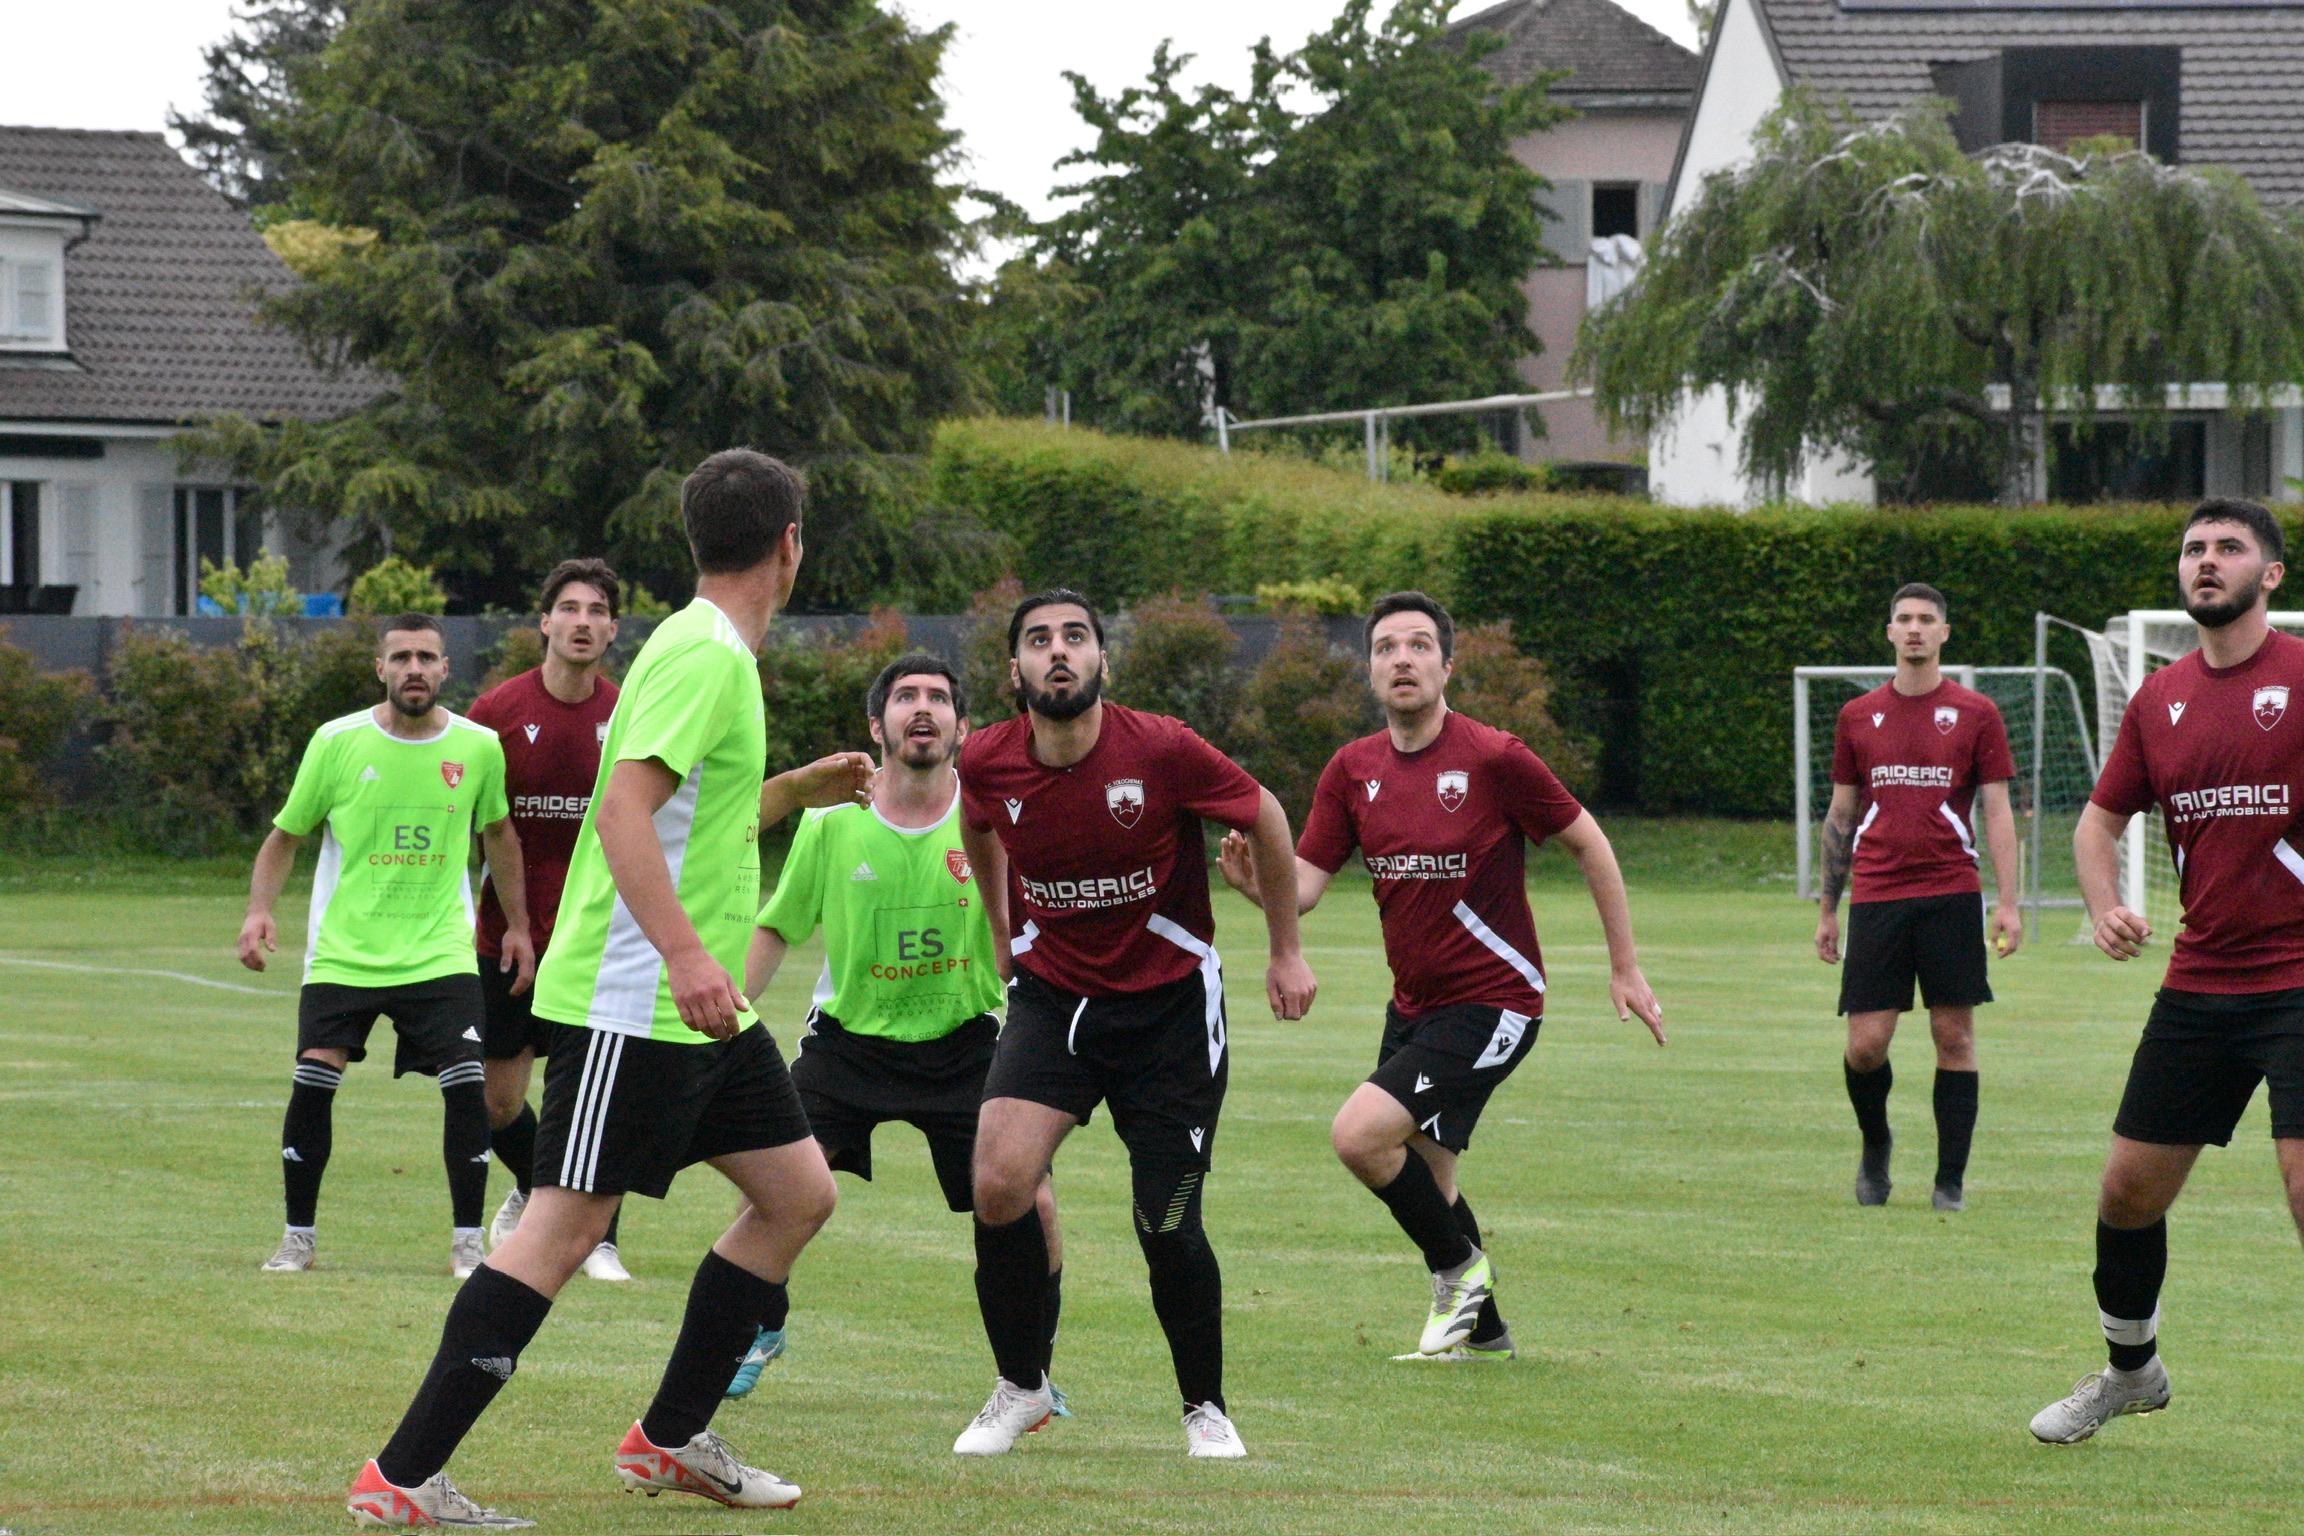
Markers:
point(851, 1083)
point(2200, 1060)
point(1158, 1058)
point(512, 1027)
point(438, 1021)
point(623, 1114)
point(1936, 940)
point(1442, 1065)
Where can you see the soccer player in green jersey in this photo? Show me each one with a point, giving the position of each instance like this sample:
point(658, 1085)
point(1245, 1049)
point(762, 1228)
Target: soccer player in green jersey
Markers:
point(902, 1026)
point(398, 789)
point(660, 1062)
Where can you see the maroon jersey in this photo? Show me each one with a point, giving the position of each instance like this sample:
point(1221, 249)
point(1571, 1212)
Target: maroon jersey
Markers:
point(2220, 751)
point(1107, 872)
point(1444, 831)
point(551, 758)
point(1916, 761)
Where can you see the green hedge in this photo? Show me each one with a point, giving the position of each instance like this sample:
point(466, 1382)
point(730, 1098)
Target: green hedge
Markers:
point(1672, 634)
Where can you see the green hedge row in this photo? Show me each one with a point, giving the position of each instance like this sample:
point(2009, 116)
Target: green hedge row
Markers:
point(1671, 634)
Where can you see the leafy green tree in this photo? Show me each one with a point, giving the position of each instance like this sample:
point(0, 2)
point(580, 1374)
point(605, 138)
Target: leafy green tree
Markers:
point(1869, 288)
point(610, 237)
point(1350, 229)
point(241, 140)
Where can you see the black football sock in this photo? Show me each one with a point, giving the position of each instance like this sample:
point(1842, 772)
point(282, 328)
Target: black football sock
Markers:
point(1868, 1093)
point(1187, 1284)
point(1012, 1292)
point(616, 1220)
point(464, 1141)
point(725, 1303)
point(1490, 1325)
point(306, 1136)
point(1052, 1306)
point(1955, 1124)
point(2130, 1264)
point(489, 1323)
point(515, 1148)
point(1413, 1197)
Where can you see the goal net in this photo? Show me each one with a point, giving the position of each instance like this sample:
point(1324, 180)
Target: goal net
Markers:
point(2050, 733)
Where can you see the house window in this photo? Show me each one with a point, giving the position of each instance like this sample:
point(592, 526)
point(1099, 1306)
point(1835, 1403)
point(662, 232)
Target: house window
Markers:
point(27, 303)
point(216, 524)
point(2121, 462)
point(2058, 125)
point(1615, 209)
point(20, 533)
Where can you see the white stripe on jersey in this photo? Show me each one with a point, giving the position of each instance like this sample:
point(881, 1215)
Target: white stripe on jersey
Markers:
point(1500, 946)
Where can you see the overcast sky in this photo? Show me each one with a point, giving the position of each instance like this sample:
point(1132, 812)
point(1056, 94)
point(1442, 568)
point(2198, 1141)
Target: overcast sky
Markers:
point(124, 63)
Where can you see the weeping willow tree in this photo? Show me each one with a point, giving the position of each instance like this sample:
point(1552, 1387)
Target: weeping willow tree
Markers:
point(1869, 288)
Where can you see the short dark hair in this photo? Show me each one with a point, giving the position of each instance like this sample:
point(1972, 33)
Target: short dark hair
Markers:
point(411, 622)
point(1410, 602)
point(1925, 593)
point(1050, 599)
point(2251, 515)
point(591, 571)
point(736, 505)
point(921, 663)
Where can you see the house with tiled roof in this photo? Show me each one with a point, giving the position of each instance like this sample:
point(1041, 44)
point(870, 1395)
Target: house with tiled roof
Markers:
point(128, 294)
point(1631, 88)
point(2207, 82)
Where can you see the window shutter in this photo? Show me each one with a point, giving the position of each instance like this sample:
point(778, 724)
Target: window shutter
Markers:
point(156, 534)
point(1568, 220)
point(76, 517)
point(1652, 195)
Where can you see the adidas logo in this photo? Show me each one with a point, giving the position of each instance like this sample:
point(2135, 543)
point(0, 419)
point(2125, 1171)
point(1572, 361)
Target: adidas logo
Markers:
point(1015, 809)
point(1422, 1082)
point(368, 775)
point(498, 1366)
point(471, 1032)
point(863, 872)
point(1198, 1134)
point(290, 1154)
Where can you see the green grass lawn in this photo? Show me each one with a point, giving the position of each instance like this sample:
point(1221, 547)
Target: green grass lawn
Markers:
point(1715, 1337)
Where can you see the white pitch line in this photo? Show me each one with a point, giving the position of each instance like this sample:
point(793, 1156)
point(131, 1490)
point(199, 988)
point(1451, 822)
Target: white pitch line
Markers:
point(129, 970)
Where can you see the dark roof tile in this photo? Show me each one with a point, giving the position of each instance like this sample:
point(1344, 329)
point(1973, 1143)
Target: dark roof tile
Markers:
point(1605, 49)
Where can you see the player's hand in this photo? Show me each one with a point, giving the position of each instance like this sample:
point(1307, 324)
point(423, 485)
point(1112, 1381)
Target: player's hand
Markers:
point(1236, 860)
point(2121, 933)
point(1630, 992)
point(1290, 987)
point(705, 994)
point(2007, 931)
point(1828, 935)
point(520, 956)
point(844, 778)
point(258, 937)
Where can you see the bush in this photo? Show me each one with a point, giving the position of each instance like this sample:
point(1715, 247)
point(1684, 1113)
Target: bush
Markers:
point(1487, 474)
point(814, 689)
point(392, 585)
point(261, 590)
point(38, 711)
point(1497, 685)
point(1307, 699)
point(1327, 597)
point(1173, 656)
point(983, 658)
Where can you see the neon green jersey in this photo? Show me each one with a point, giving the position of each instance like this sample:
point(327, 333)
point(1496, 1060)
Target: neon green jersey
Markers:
point(691, 702)
point(907, 949)
point(391, 903)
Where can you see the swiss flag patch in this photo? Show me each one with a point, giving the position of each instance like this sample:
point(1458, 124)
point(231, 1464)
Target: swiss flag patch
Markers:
point(453, 773)
point(956, 861)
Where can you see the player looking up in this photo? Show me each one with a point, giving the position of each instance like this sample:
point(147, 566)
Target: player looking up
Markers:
point(1911, 761)
point(1442, 809)
point(1081, 821)
point(2213, 740)
point(397, 789)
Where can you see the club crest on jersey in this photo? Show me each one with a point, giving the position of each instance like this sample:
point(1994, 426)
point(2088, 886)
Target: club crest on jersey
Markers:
point(453, 773)
point(1946, 718)
point(2270, 704)
point(956, 860)
point(1124, 798)
point(1452, 786)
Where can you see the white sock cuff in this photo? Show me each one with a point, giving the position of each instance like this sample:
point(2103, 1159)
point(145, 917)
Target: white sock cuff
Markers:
point(2124, 1330)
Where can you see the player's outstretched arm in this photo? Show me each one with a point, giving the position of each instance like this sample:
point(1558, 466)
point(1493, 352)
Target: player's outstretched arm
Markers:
point(2000, 838)
point(763, 959)
point(1236, 861)
point(1288, 981)
point(988, 862)
point(702, 989)
point(501, 843)
point(258, 934)
point(1628, 989)
point(1837, 838)
point(2119, 932)
point(844, 778)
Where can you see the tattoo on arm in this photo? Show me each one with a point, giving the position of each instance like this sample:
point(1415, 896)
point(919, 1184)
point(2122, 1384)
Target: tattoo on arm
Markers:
point(1839, 839)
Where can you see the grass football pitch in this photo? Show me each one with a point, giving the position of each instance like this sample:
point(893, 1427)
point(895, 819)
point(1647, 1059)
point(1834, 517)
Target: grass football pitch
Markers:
point(1714, 1337)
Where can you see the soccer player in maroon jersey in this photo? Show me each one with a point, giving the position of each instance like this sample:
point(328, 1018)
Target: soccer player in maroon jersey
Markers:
point(1442, 809)
point(1082, 820)
point(551, 720)
point(2216, 740)
point(1911, 761)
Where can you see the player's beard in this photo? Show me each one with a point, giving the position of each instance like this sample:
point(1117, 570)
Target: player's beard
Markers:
point(923, 755)
point(2215, 613)
point(408, 711)
point(1068, 706)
